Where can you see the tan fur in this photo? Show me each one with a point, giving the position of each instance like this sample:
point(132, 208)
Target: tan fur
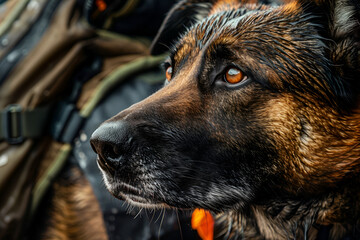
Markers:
point(75, 213)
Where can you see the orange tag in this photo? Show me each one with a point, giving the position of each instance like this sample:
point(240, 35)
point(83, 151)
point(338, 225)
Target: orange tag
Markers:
point(101, 5)
point(203, 222)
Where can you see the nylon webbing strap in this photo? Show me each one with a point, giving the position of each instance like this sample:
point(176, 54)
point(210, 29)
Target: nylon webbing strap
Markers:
point(129, 6)
point(16, 124)
point(46, 179)
point(117, 76)
point(10, 19)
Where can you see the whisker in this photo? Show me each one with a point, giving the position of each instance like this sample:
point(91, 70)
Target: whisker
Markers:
point(138, 213)
point(153, 215)
point(157, 219)
point(161, 222)
point(179, 224)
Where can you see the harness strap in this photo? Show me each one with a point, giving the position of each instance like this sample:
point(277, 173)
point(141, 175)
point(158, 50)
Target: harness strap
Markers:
point(17, 124)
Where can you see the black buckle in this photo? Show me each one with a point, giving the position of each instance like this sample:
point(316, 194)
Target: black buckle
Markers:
point(12, 127)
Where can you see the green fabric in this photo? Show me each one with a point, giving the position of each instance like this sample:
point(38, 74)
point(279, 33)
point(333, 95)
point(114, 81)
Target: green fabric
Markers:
point(129, 6)
point(10, 19)
point(47, 179)
point(118, 76)
point(120, 37)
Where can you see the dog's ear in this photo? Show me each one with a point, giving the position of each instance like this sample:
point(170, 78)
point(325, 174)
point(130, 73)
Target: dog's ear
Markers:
point(180, 17)
point(342, 16)
point(340, 24)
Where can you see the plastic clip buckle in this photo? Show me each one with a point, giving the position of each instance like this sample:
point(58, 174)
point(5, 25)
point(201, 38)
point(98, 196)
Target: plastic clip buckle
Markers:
point(12, 127)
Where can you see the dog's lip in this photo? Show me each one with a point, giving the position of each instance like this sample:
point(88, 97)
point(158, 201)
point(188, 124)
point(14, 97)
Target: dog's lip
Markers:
point(135, 196)
point(130, 193)
point(128, 189)
point(104, 166)
point(140, 201)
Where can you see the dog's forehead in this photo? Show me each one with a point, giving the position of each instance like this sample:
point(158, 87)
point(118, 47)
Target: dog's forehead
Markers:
point(222, 20)
point(246, 26)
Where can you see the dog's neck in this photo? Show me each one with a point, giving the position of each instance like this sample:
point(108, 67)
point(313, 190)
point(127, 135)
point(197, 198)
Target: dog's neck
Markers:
point(334, 216)
point(332, 213)
point(328, 154)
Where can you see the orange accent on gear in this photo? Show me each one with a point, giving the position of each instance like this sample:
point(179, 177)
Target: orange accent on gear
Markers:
point(101, 5)
point(203, 222)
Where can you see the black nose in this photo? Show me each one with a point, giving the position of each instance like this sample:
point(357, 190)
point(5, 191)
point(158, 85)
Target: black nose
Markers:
point(110, 141)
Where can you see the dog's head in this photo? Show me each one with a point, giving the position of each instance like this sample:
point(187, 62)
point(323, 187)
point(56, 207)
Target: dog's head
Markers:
point(258, 103)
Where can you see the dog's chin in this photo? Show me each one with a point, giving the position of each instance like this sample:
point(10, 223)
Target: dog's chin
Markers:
point(130, 194)
point(133, 196)
point(140, 201)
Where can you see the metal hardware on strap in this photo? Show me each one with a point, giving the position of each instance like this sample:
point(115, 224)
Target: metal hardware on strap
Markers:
point(18, 124)
point(12, 124)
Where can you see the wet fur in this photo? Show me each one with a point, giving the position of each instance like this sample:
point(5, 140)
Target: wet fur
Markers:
point(275, 157)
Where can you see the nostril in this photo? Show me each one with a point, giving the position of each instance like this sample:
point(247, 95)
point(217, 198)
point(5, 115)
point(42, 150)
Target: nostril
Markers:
point(108, 158)
point(93, 145)
point(105, 149)
point(110, 151)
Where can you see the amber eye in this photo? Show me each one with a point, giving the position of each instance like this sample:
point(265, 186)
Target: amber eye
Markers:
point(168, 73)
point(234, 75)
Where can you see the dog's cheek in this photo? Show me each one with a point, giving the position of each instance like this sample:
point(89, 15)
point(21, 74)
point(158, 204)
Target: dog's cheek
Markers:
point(241, 145)
point(291, 137)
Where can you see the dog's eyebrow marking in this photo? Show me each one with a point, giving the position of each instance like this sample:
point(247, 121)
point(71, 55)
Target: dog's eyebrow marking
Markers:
point(182, 52)
point(202, 33)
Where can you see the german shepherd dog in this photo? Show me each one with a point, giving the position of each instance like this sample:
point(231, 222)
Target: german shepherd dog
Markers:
point(258, 121)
